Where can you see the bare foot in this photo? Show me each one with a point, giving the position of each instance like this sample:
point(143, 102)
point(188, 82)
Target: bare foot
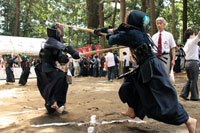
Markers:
point(191, 125)
point(54, 105)
point(130, 113)
point(127, 114)
point(61, 109)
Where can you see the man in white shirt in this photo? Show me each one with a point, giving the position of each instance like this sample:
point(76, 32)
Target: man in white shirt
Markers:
point(191, 49)
point(76, 67)
point(110, 62)
point(126, 62)
point(164, 41)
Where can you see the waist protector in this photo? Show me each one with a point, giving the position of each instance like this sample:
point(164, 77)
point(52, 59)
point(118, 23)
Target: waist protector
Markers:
point(49, 55)
point(141, 53)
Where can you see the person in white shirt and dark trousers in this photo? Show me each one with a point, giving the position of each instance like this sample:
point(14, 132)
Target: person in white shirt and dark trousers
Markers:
point(191, 49)
point(110, 63)
point(164, 41)
point(126, 62)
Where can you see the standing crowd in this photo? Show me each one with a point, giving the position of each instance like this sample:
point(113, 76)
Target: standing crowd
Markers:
point(107, 65)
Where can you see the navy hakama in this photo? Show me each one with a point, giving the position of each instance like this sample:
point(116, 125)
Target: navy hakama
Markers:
point(149, 91)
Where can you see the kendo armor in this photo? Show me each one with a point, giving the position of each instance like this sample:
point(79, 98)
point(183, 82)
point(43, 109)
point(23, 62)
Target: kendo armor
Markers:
point(141, 53)
point(57, 32)
point(54, 47)
point(139, 20)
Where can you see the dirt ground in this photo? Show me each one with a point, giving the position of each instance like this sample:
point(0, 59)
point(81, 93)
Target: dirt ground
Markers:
point(93, 105)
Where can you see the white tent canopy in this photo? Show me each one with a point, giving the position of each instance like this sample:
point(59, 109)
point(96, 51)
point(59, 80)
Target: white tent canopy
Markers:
point(17, 45)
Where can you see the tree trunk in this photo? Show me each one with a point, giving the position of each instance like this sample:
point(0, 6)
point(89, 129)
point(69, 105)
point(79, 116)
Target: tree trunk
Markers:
point(122, 19)
point(16, 31)
point(144, 6)
point(92, 13)
point(173, 19)
point(184, 18)
point(92, 16)
point(7, 16)
point(122, 10)
point(114, 14)
point(152, 16)
point(27, 20)
point(101, 22)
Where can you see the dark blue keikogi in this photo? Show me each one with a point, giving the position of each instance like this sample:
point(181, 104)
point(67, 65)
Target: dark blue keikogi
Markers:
point(148, 90)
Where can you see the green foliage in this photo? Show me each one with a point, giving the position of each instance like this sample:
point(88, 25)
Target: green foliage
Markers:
point(36, 16)
point(194, 15)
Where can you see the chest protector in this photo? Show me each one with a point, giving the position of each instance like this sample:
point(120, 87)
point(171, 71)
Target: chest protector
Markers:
point(141, 53)
point(49, 55)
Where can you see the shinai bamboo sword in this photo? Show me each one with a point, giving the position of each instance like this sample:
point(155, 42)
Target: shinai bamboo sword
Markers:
point(102, 50)
point(91, 31)
point(79, 28)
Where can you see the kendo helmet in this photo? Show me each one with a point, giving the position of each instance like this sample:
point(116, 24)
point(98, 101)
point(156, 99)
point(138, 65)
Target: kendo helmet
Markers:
point(23, 57)
point(138, 19)
point(56, 31)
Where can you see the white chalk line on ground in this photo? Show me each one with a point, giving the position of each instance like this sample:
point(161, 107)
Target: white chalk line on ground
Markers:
point(58, 124)
point(80, 124)
point(92, 123)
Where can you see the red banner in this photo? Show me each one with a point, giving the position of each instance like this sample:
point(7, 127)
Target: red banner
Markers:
point(89, 48)
point(97, 48)
point(79, 50)
point(84, 50)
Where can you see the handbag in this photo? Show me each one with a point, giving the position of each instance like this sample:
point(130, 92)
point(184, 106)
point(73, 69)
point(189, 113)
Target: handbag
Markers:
point(69, 77)
point(171, 75)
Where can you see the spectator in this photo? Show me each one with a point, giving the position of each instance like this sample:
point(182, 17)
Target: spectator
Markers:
point(102, 61)
point(110, 63)
point(91, 65)
point(85, 67)
point(76, 67)
point(191, 49)
point(164, 41)
point(96, 66)
point(126, 62)
point(71, 66)
point(177, 66)
point(116, 65)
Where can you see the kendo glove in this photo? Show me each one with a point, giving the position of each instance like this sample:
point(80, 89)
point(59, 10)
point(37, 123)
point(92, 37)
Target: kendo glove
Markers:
point(108, 36)
point(101, 30)
point(63, 59)
point(69, 49)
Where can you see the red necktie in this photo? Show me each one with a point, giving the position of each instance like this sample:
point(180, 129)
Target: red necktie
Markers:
point(159, 45)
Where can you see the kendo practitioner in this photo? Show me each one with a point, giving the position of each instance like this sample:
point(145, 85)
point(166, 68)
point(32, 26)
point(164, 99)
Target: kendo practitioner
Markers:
point(147, 90)
point(9, 70)
point(51, 81)
point(84, 67)
point(25, 65)
point(91, 65)
point(96, 66)
point(179, 55)
point(102, 61)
